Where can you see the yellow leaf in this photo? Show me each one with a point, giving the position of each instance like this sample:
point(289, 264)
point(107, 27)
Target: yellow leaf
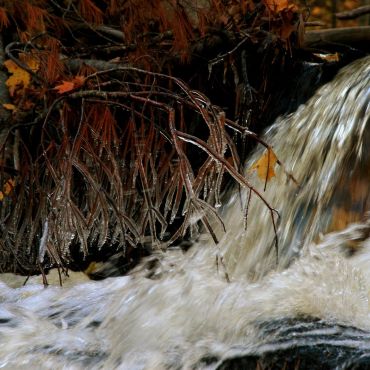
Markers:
point(8, 186)
point(265, 165)
point(20, 78)
point(9, 106)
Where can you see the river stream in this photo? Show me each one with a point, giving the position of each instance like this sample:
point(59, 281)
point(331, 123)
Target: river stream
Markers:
point(245, 297)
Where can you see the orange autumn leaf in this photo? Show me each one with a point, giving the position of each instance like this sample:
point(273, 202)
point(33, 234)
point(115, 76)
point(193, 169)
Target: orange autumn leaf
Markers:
point(265, 165)
point(7, 188)
point(66, 86)
point(278, 5)
point(9, 106)
point(328, 57)
point(20, 78)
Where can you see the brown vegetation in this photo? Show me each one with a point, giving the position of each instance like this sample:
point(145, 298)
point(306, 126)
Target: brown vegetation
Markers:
point(101, 147)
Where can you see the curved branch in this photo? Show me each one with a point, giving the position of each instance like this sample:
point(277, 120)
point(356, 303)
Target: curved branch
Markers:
point(347, 36)
point(354, 13)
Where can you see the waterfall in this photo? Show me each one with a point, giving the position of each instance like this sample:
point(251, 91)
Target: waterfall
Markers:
point(325, 146)
point(214, 304)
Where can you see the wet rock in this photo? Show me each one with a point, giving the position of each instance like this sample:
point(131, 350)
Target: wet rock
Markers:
point(306, 344)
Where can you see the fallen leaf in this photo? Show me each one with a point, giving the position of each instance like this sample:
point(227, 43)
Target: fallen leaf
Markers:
point(328, 57)
point(78, 81)
point(66, 86)
point(9, 106)
point(20, 78)
point(265, 165)
point(7, 188)
point(277, 5)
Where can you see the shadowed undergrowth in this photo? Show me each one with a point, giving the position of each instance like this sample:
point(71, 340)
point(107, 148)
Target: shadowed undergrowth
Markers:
point(135, 158)
point(97, 156)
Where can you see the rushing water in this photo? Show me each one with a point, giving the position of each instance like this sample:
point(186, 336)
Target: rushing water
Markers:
point(187, 311)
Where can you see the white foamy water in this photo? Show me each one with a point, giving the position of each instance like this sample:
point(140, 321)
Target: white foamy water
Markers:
point(188, 315)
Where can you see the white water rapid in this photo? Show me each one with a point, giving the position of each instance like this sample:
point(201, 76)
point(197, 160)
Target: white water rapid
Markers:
point(185, 314)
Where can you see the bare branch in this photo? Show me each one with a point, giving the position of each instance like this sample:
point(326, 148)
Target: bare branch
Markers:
point(347, 36)
point(354, 13)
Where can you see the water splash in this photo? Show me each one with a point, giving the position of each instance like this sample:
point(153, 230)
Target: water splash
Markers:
point(180, 311)
point(326, 147)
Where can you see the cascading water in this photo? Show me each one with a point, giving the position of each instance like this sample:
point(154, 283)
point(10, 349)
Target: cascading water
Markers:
point(188, 315)
point(322, 145)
